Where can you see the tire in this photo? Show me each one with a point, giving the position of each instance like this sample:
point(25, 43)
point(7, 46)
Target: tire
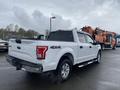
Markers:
point(64, 70)
point(102, 47)
point(114, 48)
point(98, 60)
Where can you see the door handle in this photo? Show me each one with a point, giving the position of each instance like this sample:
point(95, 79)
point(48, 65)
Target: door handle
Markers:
point(81, 46)
point(90, 46)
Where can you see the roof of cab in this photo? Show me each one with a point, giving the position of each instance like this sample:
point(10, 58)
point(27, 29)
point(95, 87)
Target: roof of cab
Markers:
point(71, 30)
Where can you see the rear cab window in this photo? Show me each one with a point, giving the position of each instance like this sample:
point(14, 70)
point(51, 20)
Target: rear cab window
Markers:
point(66, 36)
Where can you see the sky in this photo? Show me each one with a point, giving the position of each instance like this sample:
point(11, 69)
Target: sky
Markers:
point(35, 14)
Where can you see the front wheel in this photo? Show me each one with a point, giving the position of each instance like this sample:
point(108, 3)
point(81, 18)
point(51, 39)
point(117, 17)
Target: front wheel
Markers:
point(64, 70)
point(98, 60)
point(114, 47)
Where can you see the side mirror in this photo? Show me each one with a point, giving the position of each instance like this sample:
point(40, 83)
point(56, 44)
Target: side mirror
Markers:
point(95, 43)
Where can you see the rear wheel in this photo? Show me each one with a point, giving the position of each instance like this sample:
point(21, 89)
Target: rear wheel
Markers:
point(64, 70)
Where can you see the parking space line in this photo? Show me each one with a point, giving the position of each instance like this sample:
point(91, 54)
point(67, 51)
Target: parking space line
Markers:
point(6, 68)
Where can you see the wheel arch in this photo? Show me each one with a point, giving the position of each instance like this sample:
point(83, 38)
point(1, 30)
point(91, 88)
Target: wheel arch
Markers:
point(67, 56)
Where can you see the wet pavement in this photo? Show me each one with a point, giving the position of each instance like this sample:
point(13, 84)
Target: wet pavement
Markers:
point(104, 76)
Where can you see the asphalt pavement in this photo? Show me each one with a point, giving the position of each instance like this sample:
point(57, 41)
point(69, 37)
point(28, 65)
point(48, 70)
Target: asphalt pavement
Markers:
point(103, 76)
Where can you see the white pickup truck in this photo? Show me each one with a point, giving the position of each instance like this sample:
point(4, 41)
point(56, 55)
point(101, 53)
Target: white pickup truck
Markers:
point(61, 51)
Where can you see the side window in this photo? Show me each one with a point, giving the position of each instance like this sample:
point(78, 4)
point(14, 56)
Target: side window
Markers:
point(81, 38)
point(89, 39)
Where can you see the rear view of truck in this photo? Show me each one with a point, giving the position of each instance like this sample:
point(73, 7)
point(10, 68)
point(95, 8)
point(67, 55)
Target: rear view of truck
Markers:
point(25, 54)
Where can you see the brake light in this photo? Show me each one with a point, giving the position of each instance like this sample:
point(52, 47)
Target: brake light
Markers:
point(41, 52)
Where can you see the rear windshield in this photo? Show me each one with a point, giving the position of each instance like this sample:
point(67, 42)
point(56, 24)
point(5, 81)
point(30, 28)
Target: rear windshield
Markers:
point(61, 36)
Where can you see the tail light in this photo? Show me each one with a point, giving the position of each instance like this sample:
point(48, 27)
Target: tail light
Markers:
point(41, 52)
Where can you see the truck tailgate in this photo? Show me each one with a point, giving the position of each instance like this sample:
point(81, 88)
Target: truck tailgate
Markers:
point(26, 50)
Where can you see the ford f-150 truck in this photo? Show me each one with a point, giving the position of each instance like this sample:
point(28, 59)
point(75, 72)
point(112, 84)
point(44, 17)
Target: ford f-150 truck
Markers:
point(59, 53)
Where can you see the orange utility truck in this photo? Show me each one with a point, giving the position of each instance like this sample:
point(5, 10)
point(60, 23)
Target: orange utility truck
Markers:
point(105, 38)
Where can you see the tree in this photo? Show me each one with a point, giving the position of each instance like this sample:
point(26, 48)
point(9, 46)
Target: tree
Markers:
point(10, 32)
point(21, 32)
point(31, 33)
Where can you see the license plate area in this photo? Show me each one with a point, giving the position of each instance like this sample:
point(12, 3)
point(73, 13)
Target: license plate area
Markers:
point(31, 69)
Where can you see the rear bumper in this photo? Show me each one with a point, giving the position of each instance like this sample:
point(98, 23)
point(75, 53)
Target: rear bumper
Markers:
point(3, 47)
point(24, 65)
